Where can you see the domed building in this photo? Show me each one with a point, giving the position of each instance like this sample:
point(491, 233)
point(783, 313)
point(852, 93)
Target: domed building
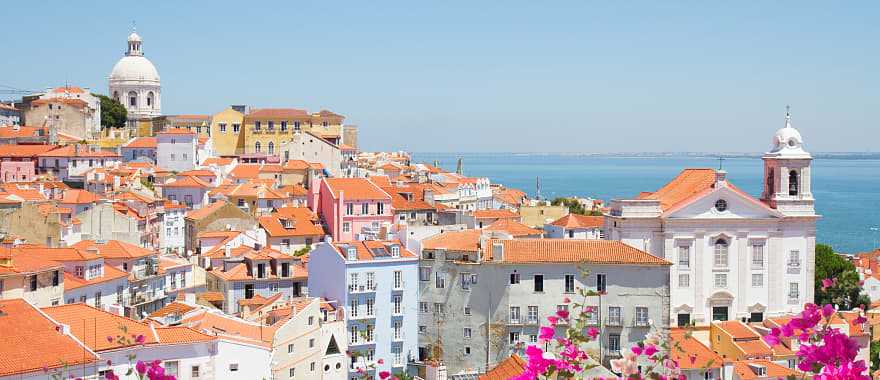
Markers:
point(134, 82)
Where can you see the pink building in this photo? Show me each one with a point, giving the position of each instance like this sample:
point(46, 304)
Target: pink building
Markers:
point(352, 208)
point(17, 171)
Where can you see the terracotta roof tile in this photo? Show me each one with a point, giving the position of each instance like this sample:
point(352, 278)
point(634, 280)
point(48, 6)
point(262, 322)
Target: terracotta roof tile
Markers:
point(25, 150)
point(681, 188)
point(508, 368)
point(373, 249)
point(304, 222)
point(141, 142)
point(114, 249)
point(571, 251)
point(684, 347)
point(514, 228)
point(356, 188)
point(495, 214)
point(774, 371)
point(277, 113)
point(579, 221)
point(188, 182)
point(462, 241)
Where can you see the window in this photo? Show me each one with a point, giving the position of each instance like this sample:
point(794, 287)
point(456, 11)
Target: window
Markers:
point(283, 126)
point(614, 316)
point(465, 281)
point(396, 303)
point(33, 283)
point(641, 316)
point(533, 314)
point(439, 280)
point(794, 259)
point(365, 208)
point(514, 278)
point(398, 279)
point(684, 280)
point(533, 338)
point(757, 280)
point(222, 127)
point(683, 319)
point(423, 307)
point(758, 256)
point(98, 300)
point(55, 278)
point(569, 283)
point(296, 126)
point(291, 373)
point(467, 332)
point(600, 283)
point(514, 337)
point(290, 348)
point(380, 208)
point(171, 368)
point(720, 280)
point(721, 205)
point(614, 342)
point(684, 256)
point(793, 182)
point(233, 367)
point(353, 336)
point(756, 317)
point(236, 128)
point(423, 329)
point(346, 227)
point(439, 309)
point(467, 310)
point(467, 351)
point(563, 308)
point(257, 147)
point(424, 273)
point(398, 330)
point(514, 314)
point(257, 125)
point(312, 366)
point(354, 308)
point(312, 343)
point(539, 283)
point(79, 271)
point(371, 309)
point(311, 320)
point(720, 253)
point(793, 292)
point(271, 147)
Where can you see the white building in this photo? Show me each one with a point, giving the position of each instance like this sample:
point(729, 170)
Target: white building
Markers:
point(176, 149)
point(311, 343)
point(734, 256)
point(134, 82)
point(574, 226)
point(172, 235)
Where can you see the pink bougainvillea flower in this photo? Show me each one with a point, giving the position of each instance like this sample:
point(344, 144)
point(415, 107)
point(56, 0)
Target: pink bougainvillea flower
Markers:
point(141, 367)
point(827, 310)
point(384, 375)
point(553, 320)
point(860, 320)
point(562, 314)
point(381, 361)
point(827, 283)
point(546, 333)
point(592, 332)
point(771, 339)
point(109, 338)
point(650, 350)
point(566, 300)
point(636, 350)
point(139, 339)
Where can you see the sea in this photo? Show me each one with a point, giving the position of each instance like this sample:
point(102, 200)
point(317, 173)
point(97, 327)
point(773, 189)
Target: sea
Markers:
point(846, 188)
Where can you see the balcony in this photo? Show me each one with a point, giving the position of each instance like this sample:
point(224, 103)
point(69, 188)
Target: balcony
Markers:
point(617, 321)
point(397, 287)
point(642, 323)
point(362, 288)
point(514, 321)
point(397, 338)
point(532, 321)
point(794, 268)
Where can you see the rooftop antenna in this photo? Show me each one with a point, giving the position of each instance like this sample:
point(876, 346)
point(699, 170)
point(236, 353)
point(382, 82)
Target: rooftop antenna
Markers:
point(458, 167)
point(538, 187)
point(720, 162)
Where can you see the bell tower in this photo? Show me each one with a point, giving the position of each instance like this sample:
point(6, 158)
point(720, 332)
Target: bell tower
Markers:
point(787, 185)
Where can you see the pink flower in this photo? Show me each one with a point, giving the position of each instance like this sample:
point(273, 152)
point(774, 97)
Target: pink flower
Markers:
point(139, 339)
point(384, 375)
point(111, 376)
point(827, 310)
point(593, 332)
point(381, 361)
point(546, 333)
point(771, 340)
point(45, 368)
point(636, 350)
point(109, 339)
point(650, 350)
point(566, 300)
point(140, 367)
point(553, 320)
point(827, 283)
point(562, 314)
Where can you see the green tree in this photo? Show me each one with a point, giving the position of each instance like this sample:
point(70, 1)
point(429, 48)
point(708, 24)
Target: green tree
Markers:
point(113, 113)
point(847, 293)
point(574, 206)
point(875, 355)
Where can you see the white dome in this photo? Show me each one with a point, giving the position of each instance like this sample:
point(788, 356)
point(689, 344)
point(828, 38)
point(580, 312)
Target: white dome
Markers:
point(787, 141)
point(134, 68)
point(134, 37)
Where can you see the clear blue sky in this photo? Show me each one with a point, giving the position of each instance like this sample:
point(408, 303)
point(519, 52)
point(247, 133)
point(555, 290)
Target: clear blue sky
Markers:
point(508, 76)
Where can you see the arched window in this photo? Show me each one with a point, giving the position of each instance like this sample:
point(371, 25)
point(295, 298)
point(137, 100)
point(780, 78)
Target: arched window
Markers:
point(793, 182)
point(150, 99)
point(721, 252)
point(132, 99)
point(271, 147)
point(257, 147)
point(771, 185)
point(116, 95)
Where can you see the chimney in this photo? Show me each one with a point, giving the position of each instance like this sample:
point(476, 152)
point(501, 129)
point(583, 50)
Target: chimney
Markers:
point(758, 369)
point(720, 178)
point(227, 251)
point(76, 149)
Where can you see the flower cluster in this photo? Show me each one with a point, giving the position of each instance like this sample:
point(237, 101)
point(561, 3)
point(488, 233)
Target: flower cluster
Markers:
point(824, 350)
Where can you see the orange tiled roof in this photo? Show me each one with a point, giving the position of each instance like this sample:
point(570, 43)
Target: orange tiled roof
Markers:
point(68, 89)
point(27, 264)
point(84, 151)
point(188, 182)
point(177, 131)
point(372, 249)
point(356, 188)
point(690, 353)
point(516, 229)
point(571, 251)
point(774, 371)
point(8, 132)
point(205, 210)
point(142, 142)
point(737, 330)
point(305, 222)
point(25, 150)
point(174, 308)
point(462, 241)
point(277, 113)
point(231, 328)
point(110, 273)
point(510, 367)
point(219, 161)
point(495, 214)
point(106, 324)
point(296, 165)
point(579, 221)
point(245, 171)
point(79, 103)
point(293, 190)
point(688, 183)
point(115, 249)
point(31, 340)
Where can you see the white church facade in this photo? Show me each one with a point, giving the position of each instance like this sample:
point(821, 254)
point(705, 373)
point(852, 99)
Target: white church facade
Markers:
point(734, 257)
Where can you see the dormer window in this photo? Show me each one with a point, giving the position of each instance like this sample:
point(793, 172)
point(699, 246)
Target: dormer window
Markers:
point(352, 253)
point(395, 251)
point(287, 223)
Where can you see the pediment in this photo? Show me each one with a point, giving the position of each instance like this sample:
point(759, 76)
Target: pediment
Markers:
point(739, 206)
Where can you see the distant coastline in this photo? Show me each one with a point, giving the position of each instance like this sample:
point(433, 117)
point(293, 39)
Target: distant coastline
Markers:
point(819, 155)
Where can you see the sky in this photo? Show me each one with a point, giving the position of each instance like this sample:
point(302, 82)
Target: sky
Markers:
point(503, 76)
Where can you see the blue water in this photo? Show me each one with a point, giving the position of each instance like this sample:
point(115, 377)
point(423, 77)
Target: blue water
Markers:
point(847, 191)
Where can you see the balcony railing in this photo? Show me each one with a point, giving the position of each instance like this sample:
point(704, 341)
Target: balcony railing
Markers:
point(640, 323)
point(615, 321)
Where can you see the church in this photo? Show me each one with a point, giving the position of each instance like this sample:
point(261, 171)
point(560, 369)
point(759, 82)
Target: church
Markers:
point(134, 82)
point(733, 257)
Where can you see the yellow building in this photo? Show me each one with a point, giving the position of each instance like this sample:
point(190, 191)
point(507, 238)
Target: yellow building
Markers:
point(267, 130)
point(226, 132)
